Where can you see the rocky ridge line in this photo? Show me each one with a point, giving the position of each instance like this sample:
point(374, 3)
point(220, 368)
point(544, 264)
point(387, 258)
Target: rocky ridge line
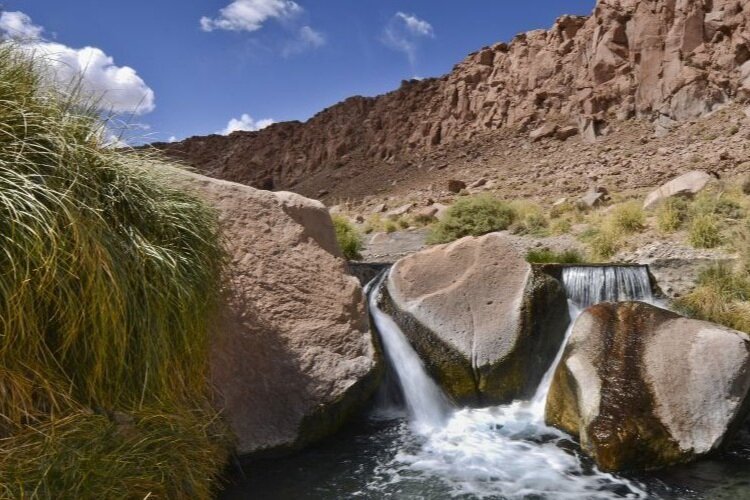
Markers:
point(662, 61)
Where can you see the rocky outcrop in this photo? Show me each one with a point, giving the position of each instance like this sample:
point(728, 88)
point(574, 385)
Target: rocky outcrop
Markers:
point(686, 186)
point(643, 387)
point(291, 352)
point(485, 323)
point(664, 61)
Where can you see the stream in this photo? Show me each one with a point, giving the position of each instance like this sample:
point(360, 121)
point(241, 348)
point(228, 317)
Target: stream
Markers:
point(415, 444)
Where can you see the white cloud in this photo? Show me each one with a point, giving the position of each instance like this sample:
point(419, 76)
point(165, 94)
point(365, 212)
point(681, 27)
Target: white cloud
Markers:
point(249, 15)
point(18, 25)
point(417, 26)
point(114, 88)
point(404, 32)
point(172, 139)
point(307, 38)
point(246, 123)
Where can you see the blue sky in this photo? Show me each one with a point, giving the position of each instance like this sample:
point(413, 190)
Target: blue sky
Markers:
point(209, 61)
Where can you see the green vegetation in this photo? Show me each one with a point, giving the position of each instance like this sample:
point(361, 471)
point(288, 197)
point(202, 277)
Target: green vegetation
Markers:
point(721, 296)
point(628, 217)
point(529, 219)
point(671, 215)
point(705, 232)
point(109, 283)
point(561, 226)
point(605, 243)
point(547, 256)
point(349, 239)
point(473, 216)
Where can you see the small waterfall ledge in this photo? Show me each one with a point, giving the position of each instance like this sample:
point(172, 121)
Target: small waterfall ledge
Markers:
point(505, 450)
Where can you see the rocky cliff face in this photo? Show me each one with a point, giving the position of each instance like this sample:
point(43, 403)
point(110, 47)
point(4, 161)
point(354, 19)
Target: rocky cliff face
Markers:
point(664, 61)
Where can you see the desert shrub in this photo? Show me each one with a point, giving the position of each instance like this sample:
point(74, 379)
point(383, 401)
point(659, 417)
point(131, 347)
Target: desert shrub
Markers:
point(472, 216)
point(603, 241)
point(373, 223)
point(547, 256)
point(529, 219)
point(390, 226)
point(403, 223)
point(628, 217)
point(705, 231)
point(721, 296)
point(721, 204)
point(561, 226)
point(109, 281)
point(671, 214)
point(348, 238)
point(745, 186)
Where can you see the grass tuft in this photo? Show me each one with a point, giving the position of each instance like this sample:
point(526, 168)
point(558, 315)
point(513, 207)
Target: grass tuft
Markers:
point(721, 297)
point(672, 214)
point(628, 217)
point(109, 282)
point(349, 239)
point(705, 231)
point(547, 256)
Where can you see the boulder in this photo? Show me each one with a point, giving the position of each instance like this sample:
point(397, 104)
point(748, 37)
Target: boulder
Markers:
point(643, 387)
point(485, 322)
point(564, 133)
point(291, 351)
point(456, 186)
point(686, 185)
point(594, 198)
point(543, 132)
point(400, 211)
point(426, 214)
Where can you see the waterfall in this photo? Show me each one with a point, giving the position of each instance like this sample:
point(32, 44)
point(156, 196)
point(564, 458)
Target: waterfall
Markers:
point(584, 287)
point(589, 285)
point(427, 404)
point(505, 451)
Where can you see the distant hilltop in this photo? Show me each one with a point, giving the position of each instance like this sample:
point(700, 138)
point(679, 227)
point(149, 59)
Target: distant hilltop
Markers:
point(660, 61)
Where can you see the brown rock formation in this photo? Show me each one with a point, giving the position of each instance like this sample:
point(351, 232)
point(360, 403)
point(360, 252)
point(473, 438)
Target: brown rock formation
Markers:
point(291, 352)
point(643, 387)
point(664, 61)
point(486, 324)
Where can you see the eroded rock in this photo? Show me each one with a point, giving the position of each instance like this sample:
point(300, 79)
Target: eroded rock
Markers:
point(291, 352)
point(643, 387)
point(485, 322)
point(687, 185)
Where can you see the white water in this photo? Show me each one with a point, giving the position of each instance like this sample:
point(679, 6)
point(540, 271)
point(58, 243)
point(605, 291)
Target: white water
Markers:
point(504, 451)
point(427, 405)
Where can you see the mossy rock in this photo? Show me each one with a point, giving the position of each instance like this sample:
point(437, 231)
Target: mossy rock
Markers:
point(643, 388)
point(486, 324)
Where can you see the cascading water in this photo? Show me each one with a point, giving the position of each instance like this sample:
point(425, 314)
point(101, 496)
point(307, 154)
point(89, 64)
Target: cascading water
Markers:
point(505, 451)
point(584, 287)
point(427, 405)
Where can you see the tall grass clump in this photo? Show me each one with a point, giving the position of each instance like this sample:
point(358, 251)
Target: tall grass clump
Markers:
point(108, 283)
point(349, 239)
point(722, 296)
point(671, 214)
point(628, 217)
point(547, 256)
point(472, 216)
point(705, 231)
point(529, 219)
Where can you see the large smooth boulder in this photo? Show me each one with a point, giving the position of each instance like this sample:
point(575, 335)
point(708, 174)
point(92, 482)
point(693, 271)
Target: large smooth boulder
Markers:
point(291, 351)
point(687, 185)
point(643, 387)
point(486, 324)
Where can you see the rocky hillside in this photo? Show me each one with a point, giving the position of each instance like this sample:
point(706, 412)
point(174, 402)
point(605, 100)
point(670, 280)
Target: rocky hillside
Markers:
point(662, 62)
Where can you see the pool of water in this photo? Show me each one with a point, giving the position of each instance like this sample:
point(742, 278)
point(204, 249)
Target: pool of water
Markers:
point(379, 458)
